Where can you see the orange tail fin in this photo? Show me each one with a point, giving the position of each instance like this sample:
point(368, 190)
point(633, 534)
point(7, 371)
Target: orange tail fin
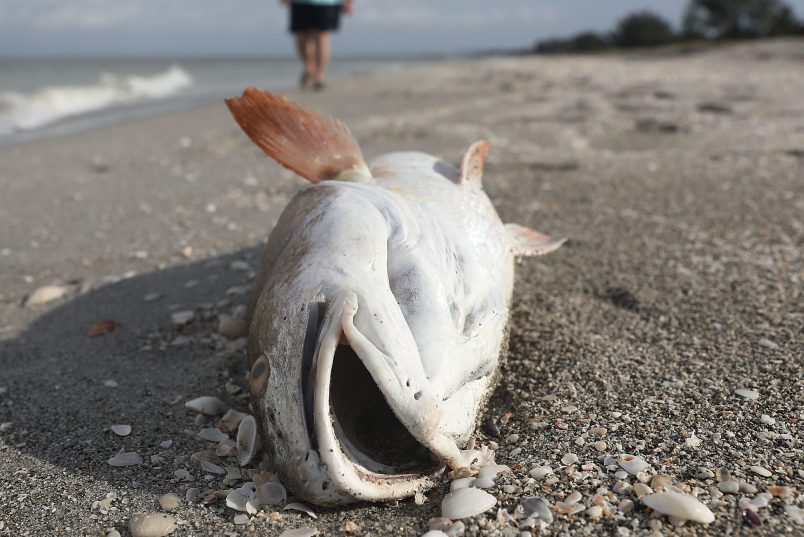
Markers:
point(315, 147)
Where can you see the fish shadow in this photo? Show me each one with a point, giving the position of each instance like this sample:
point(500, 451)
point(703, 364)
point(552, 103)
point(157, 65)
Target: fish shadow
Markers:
point(64, 389)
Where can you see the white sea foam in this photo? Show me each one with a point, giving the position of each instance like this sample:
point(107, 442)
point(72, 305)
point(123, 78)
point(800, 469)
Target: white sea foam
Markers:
point(20, 111)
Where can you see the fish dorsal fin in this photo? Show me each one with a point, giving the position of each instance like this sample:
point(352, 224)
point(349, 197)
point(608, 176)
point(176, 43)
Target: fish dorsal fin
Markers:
point(316, 147)
point(472, 163)
point(529, 242)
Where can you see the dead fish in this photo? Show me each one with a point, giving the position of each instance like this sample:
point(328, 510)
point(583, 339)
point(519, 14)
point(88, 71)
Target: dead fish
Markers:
point(379, 312)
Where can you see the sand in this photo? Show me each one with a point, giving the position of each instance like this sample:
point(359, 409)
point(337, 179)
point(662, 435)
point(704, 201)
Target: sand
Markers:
point(679, 179)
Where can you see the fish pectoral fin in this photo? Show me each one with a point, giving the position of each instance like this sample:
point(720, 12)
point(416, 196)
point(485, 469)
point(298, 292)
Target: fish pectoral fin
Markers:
point(472, 163)
point(316, 147)
point(528, 242)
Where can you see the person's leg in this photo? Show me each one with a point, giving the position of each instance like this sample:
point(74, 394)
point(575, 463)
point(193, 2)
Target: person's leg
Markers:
point(305, 46)
point(321, 40)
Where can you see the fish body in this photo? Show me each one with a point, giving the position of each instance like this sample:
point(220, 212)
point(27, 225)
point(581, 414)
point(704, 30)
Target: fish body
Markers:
point(379, 313)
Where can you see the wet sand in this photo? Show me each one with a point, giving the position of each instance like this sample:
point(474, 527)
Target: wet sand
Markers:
point(679, 180)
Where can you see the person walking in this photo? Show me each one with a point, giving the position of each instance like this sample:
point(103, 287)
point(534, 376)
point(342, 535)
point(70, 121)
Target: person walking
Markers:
point(311, 21)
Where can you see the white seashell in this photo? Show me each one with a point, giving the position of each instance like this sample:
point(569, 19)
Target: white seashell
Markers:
point(212, 468)
point(121, 430)
point(540, 472)
point(680, 506)
point(573, 498)
point(753, 395)
point(759, 470)
point(180, 318)
point(463, 503)
point(304, 531)
point(246, 440)
point(461, 483)
point(225, 448)
point(211, 434)
point(231, 420)
point(295, 506)
point(45, 294)
point(239, 502)
point(211, 406)
point(151, 525)
point(693, 441)
point(129, 458)
point(633, 464)
point(271, 493)
point(435, 533)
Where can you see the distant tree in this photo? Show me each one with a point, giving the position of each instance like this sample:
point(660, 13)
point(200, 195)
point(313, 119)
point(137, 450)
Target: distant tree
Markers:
point(583, 42)
point(643, 29)
point(729, 19)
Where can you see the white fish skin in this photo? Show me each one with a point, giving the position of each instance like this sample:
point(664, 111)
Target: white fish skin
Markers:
point(380, 311)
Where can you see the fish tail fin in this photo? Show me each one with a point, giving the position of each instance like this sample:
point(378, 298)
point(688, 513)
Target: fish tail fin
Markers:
point(316, 147)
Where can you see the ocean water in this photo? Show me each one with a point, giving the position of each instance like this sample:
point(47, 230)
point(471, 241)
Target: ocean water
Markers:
point(49, 97)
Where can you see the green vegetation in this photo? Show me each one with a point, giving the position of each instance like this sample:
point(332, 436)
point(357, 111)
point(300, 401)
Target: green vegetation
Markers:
point(703, 19)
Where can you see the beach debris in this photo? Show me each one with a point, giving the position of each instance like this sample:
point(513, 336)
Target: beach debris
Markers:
point(642, 490)
point(466, 502)
point(461, 483)
point(781, 492)
point(169, 501)
point(238, 501)
point(767, 420)
point(296, 506)
point(121, 430)
point(569, 458)
point(110, 383)
point(102, 327)
point(212, 468)
point(419, 498)
point(751, 517)
point(540, 472)
point(304, 531)
point(660, 482)
point(350, 527)
point(633, 464)
point(594, 512)
point(207, 405)
point(129, 458)
point(151, 524)
point(746, 393)
point(240, 520)
point(692, 441)
point(246, 440)
point(681, 506)
point(486, 476)
point(45, 294)
point(539, 508)
point(231, 420)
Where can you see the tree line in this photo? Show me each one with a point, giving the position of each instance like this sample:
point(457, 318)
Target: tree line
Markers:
point(703, 19)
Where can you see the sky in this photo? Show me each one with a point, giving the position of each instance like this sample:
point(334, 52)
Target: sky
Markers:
point(259, 27)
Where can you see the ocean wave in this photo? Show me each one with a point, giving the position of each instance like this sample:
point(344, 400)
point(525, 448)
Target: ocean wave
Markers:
point(29, 111)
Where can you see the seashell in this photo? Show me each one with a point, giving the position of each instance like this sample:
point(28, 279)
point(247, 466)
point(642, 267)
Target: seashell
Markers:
point(569, 458)
point(246, 440)
point(259, 375)
point(271, 493)
point(121, 430)
point(231, 420)
point(759, 470)
point(182, 473)
point(295, 506)
point(239, 502)
point(206, 455)
point(232, 327)
point(540, 472)
point(464, 503)
point(191, 494)
point(681, 506)
point(538, 507)
point(573, 498)
point(212, 468)
point(129, 458)
point(633, 464)
point(233, 472)
point(210, 406)
point(461, 483)
point(240, 520)
point(181, 318)
point(304, 531)
point(212, 434)
point(594, 512)
point(45, 294)
point(435, 533)
point(642, 490)
point(752, 395)
point(169, 501)
point(151, 525)
point(226, 447)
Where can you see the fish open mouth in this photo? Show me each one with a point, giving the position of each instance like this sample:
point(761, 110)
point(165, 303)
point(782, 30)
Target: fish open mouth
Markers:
point(368, 451)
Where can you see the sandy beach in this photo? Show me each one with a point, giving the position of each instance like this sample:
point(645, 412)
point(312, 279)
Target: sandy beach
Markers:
point(669, 327)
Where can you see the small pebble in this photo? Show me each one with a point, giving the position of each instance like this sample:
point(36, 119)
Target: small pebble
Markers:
point(753, 395)
point(304, 531)
point(768, 344)
point(729, 487)
point(781, 492)
point(767, 420)
point(759, 470)
point(642, 490)
point(594, 512)
point(243, 519)
point(151, 525)
point(540, 472)
point(796, 514)
point(538, 507)
point(121, 430)
point(130, 458)
point(569, 458)
point(490, 428)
